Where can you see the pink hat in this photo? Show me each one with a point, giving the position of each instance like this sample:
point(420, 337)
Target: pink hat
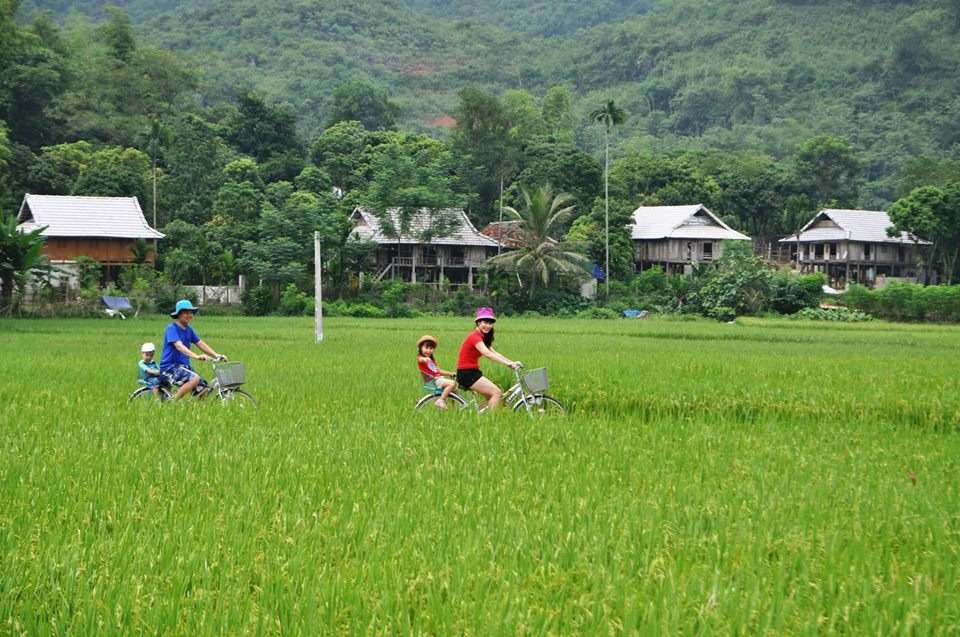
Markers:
point(485, 313)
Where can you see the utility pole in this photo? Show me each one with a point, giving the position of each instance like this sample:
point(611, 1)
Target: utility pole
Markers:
point(317, 290)
point(606, 211)
point(500, 228)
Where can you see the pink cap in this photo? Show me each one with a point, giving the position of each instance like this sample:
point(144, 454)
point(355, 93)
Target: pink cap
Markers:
point(485, 313)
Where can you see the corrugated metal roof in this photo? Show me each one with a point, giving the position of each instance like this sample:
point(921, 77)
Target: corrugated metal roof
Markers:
point(869, 226)
point(367, 226)
point(65, 216)
point(681, 222)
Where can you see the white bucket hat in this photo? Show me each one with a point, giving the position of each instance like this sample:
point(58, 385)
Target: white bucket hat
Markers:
point(148, 347)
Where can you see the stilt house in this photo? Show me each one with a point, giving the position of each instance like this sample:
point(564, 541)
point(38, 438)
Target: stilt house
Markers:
point(678, 237)
point(853, 246)
point(103, 228)
point(434, 245)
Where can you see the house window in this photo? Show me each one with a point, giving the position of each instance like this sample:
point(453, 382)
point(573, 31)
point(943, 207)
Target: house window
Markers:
point(833, 250)
point(901, 254)
point(818, 251)
point(867, 251)
point(707, 251)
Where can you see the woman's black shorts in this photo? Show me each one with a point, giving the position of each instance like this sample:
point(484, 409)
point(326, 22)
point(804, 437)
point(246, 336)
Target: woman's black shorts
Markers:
point(467, 377)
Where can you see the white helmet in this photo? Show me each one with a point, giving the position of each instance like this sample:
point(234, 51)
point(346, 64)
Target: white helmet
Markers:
point(148, 347)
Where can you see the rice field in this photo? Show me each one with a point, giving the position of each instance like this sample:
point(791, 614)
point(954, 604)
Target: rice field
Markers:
point(763, 477)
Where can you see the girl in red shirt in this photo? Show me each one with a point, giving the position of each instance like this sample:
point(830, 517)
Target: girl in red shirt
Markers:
point(479, 343)
point(434, 378)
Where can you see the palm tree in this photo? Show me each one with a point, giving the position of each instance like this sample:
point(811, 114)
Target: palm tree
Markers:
point(609, 115)
point(539, 255)
point(20, 252)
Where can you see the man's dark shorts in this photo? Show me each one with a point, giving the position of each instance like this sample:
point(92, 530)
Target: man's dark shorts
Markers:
point(467, 377)
point(182, 374)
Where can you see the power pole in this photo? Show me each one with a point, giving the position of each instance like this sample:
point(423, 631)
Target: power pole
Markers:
point(500, 228)
point(317, 290)
point(606, 210)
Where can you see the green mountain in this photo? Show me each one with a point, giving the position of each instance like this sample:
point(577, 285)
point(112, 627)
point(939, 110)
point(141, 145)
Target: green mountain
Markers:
point(692, 74)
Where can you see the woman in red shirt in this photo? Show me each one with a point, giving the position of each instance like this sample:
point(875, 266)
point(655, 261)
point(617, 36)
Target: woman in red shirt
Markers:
point(479, 343)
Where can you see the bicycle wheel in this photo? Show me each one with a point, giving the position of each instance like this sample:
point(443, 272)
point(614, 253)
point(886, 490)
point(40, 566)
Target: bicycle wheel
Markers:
point(539, 404)
point(145, 394)
point(454, 401)
point(236, 397)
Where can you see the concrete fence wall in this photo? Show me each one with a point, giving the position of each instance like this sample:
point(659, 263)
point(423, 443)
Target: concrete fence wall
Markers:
point(221, 294)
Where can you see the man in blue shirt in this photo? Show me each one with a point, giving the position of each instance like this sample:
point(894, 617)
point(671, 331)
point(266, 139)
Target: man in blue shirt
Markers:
point(177, 340)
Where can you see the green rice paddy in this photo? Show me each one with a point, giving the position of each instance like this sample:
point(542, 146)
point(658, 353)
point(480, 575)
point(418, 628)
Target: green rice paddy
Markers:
point(763, 477)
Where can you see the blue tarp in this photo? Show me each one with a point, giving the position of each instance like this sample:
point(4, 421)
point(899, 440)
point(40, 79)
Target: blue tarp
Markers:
point(118, 303)
point(598, 272)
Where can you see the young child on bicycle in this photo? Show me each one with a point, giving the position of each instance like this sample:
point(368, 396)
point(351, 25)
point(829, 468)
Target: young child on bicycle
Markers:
point(150, 375)
point(435, 380)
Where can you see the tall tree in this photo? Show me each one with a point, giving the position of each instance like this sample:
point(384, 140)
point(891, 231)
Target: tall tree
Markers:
point(539, 256)
point(608, 115)
point(364, 102)
point(261, 130)
point(828, 170)
point(482, 142)
point(933, 214)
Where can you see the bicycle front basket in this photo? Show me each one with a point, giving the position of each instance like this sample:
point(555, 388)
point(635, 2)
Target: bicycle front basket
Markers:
point(536, 380)
point(230, 374)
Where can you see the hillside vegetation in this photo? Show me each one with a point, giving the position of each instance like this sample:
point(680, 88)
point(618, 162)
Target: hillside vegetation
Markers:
point(759, 74)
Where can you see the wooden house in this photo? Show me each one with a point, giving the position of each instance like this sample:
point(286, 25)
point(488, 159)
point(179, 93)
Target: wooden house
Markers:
point(678, 237)
point(103, 228)
point(852, 246)
point(432, 246)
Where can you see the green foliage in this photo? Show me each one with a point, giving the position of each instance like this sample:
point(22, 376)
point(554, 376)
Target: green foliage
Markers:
point(837, 315)
point(20, 253)
point(739, 285)
point(790, 293)
point(293, 302)
point(260, 130)
point(540, 258)
point(114, 172)
point(257, 301)
point(362, 101)
point(907, 302)
point(829, 171)
point(932, 214)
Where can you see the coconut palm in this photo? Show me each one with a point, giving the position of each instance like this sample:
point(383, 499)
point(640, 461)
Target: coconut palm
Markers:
point(539, 256)
point(609, 115)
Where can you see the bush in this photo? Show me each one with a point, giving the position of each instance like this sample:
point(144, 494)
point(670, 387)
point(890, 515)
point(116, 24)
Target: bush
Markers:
point(292, 301)
point(257, 301)
point(839, 314)
point(789, 294)
point(858, 297)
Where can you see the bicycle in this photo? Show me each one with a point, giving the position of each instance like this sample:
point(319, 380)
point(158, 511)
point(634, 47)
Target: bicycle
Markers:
point(225, 387)
point(527, 393)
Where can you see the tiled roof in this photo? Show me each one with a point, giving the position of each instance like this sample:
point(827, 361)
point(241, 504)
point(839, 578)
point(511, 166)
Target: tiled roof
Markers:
point(108, 217)
point(853, 225)
point(367, 226)
point(681, 222)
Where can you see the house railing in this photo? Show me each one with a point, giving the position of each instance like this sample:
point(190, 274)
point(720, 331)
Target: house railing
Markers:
point(437, 261)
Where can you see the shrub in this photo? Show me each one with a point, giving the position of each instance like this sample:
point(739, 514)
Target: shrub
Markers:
point(789, 293)
point(292, 301)
point(858, 297)
point(257, 301)
point(840, 314)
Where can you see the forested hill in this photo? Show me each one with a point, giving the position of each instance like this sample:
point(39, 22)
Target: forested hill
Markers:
point(759, 74)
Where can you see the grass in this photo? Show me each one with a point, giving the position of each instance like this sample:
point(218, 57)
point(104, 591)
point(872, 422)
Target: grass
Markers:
point(762, 477)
